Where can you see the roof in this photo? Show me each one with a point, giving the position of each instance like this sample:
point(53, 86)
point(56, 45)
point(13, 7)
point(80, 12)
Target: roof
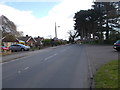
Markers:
point(9, 39)
point(26, 39)
point(37, 39)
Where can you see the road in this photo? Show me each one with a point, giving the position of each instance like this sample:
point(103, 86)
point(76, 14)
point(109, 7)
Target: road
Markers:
point(65, 66)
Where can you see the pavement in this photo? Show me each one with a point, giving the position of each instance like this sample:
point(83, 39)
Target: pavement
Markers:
point(67, 66)
point(101, 54)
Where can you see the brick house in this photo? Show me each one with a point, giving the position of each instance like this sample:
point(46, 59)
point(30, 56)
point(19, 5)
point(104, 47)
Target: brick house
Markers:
point(28, 40)
point(39, 41)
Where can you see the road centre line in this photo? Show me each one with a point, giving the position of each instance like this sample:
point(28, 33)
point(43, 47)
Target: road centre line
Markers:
point(20, 71)
point(26, 68)
point(50, 56)
point(64, 50)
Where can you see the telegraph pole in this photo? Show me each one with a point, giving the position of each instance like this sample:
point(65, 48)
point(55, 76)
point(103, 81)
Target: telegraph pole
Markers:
point(55, 31)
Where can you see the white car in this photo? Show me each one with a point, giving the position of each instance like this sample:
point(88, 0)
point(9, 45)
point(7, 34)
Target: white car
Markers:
point(19, 47)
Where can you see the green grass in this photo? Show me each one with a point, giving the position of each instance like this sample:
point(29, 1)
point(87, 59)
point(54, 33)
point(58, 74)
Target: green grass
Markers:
point(107, 75)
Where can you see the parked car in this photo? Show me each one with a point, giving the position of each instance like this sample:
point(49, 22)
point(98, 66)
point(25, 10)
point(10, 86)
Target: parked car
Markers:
point(5, 48)
point(117, 45)
point(19, 47)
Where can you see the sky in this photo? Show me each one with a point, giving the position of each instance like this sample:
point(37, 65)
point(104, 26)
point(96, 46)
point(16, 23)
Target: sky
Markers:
point(38, 17)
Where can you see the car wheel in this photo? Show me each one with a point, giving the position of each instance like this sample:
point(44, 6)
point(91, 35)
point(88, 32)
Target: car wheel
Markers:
point(22, 49)
point(118, 49)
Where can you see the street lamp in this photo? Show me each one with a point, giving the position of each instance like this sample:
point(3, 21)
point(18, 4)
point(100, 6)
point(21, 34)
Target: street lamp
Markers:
point(56, 30)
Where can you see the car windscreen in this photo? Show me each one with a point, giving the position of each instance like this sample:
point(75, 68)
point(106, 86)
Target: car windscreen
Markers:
point(13, 45)
point(118, 42)
point(21, 45)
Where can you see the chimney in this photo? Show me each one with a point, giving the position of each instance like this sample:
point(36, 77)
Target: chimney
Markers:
point(26, 35)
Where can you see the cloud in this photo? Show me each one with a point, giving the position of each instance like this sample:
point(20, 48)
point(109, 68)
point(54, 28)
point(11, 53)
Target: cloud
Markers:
point(23, 19)
point(62, 14)
point(30, 1)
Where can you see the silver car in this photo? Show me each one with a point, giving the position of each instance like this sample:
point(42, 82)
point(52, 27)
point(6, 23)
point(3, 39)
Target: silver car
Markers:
point(19, 47)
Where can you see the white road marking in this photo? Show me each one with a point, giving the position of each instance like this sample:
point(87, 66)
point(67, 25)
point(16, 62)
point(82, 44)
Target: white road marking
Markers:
point(26, 68)
point(64, 50)
point(50, 56)
point(19, 72)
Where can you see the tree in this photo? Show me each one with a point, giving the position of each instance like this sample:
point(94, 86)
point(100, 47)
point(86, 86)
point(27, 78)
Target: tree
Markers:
point(109, 16)
point(10, 38)
point(102, 19)
point(80, 23)
point(72, 35)
point(8, 27)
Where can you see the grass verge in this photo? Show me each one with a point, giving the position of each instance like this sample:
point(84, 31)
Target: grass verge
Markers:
point(5, 53)
point(107, 75)
point(11, 59)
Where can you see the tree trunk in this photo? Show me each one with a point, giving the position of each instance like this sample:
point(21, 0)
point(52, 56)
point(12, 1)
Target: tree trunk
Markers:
point(107, 30)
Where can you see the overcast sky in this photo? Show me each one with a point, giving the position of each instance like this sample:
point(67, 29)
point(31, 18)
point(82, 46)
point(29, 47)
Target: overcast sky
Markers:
point(38, 18)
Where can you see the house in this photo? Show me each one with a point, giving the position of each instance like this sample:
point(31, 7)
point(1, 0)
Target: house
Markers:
point(39, 41)
point(9, 40)
point(28, 40)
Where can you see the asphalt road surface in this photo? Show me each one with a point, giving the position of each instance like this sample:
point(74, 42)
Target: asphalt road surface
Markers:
point(58, 67)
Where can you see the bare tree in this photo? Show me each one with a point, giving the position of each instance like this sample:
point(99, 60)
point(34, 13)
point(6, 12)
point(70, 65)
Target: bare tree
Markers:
point(72, 35)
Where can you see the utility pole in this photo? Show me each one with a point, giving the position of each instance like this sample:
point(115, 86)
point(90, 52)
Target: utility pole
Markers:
point(55, 31)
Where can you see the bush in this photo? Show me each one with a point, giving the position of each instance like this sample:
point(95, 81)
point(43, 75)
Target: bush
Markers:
point(109, 41)
point(47, 42)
